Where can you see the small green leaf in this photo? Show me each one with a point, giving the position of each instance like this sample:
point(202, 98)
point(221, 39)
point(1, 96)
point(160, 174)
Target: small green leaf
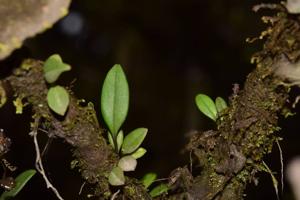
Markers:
point(115, 99)
point(206, 105)
point(220, 104)
point(21, 181)
point(120, 138)
point(140, 152)
point(58, 99)
point(111, 140)
point(54, 67)
point(133, 140)
point(127, 163)
point(159, 190)
point(116, 177)
point(148, 179)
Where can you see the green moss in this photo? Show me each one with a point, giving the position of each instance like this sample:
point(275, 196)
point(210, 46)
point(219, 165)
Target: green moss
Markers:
point(216, 180)
point(74, 164)
point(27, 64)
point(243, 176)
point(18, 105)
point(3, 97)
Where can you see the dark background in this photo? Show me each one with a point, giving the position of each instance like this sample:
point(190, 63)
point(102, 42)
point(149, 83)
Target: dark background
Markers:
point(170, 50)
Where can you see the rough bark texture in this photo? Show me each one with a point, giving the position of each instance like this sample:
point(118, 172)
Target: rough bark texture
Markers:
point(25, 18)
point(228, 157)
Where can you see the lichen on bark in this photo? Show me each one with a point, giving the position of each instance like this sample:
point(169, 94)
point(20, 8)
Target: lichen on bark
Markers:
point(22, 19)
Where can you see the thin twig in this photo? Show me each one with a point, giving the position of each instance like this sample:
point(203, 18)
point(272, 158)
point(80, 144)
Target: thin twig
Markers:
point(266, 6)
point(46, 148)
point(275, 182)
point(191, 162)
point(81, 188)
point(114, 195)
point(38, 161)
point(281, 165)
point(296, 101)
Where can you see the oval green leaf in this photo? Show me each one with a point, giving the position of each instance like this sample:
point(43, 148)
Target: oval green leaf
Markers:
point(115, 99)
point(148, 179)
point(140, 152)
point(21, 181)
point(116, 177)
point(220, 104)
point(159, 190)
point(133, 140)
point(127, 163)
point(206, 105)
point(58, 99)
point(54, 67)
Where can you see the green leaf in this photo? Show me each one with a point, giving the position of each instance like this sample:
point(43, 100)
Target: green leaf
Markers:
point(220, 104)
point(120, 138)
point(159, 190)
point(111, 140)
point(115, 99)
point(148, 179)
point(54, 67)
point(116, 177)
point(127, 163)
point(140, 152)
point(21, 181)
point(133, 140)
point(206, 105)
point(58, 99)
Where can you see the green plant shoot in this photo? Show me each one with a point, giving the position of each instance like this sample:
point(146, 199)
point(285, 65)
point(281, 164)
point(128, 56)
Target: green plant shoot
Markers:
point(114, 109)
point(220, 104)
point(140, 152)
point(116, 177)
point(54, 67)
point(111, 141)
point(148, 179)
point(159, 190)
point(115, 99)
point(21, 181)
point(120, 139)
point(206, 105)
point(58, 100)
point(133, 140)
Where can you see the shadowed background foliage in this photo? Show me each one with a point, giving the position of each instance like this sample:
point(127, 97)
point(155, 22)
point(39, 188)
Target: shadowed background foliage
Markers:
point(170, 50)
